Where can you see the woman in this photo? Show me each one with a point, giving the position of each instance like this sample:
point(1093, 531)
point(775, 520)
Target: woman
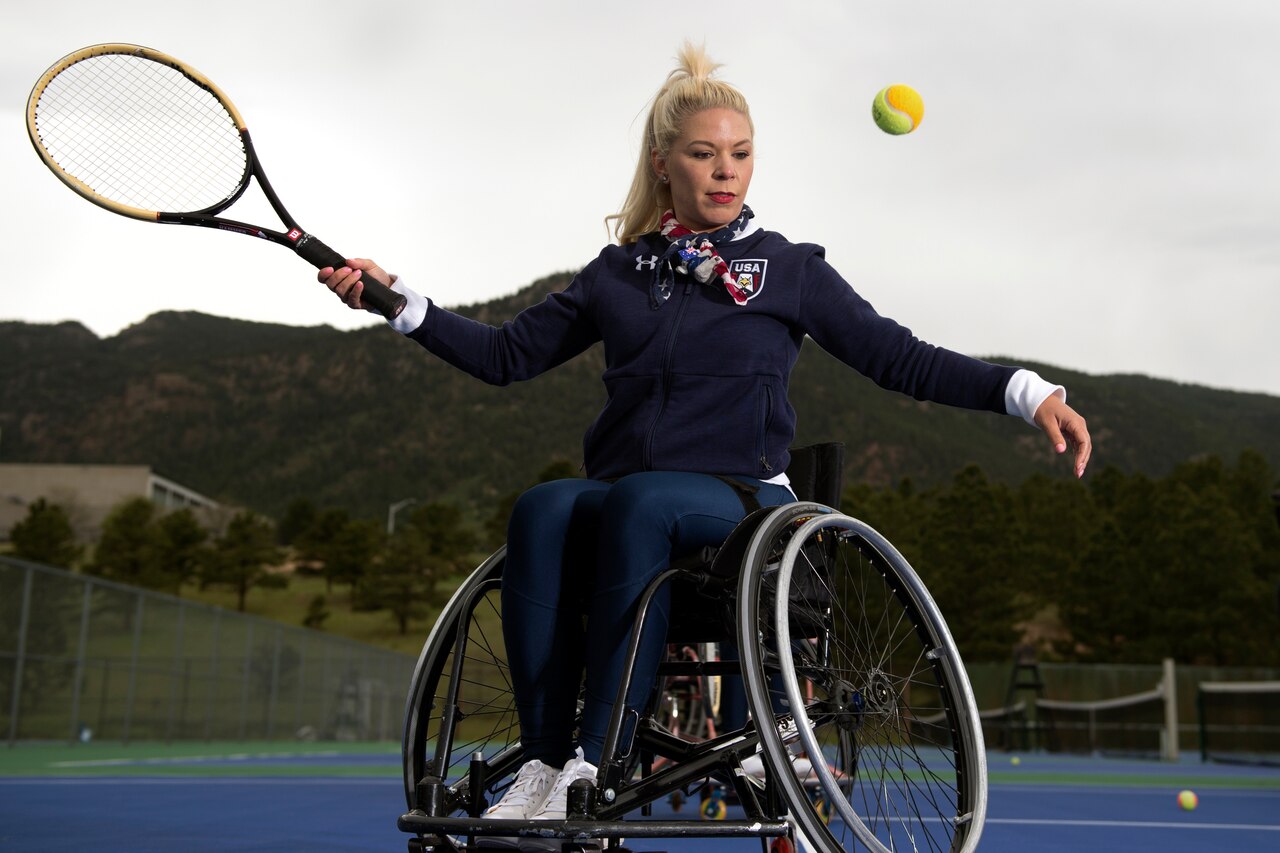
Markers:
point(702, 314)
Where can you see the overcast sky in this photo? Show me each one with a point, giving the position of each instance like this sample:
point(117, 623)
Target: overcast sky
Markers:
point(1096, 184)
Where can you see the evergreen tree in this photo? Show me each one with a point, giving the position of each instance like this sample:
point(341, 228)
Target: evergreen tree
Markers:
point(351, 552)
point(445, 534)
point(1206, 585)
point(403, 581)
point(338, 547)
point(1104, 601)
point(243, 556)
point(128, 548)
point(1055, 518)
point(317, 613)
point(45, 536)
point(1253, 488)
point(181, 546)
point(900, 514)
point(299, 516)
point(434, 544)
point(970, 564)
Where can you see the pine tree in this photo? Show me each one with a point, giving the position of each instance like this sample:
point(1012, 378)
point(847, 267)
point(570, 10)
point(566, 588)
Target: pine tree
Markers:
point(45, 536)
point(243, 557)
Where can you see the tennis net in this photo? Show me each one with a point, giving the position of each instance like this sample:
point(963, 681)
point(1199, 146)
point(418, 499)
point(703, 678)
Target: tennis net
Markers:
point(1133, 725)
point(1239, 721)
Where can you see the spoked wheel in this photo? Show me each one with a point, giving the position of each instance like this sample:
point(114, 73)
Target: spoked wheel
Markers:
point(461, 702)
point(858, 689)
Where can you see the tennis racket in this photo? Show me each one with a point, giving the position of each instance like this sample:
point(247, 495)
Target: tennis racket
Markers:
point(147, 136)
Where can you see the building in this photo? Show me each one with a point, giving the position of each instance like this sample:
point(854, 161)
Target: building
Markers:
point(89, 492)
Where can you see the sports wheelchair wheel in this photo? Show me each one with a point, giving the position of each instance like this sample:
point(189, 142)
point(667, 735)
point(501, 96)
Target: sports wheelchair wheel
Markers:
point(461, 703)
point(837, 630)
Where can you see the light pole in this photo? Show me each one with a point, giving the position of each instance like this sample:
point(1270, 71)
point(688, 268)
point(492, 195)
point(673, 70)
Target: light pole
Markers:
point(393, 509)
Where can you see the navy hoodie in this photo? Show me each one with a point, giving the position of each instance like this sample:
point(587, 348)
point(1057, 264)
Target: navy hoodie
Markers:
point(696, 382)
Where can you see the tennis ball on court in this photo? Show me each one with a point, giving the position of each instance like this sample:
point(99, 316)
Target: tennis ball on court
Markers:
point(1187, 801)
point(1015, 761)
point(897, 109)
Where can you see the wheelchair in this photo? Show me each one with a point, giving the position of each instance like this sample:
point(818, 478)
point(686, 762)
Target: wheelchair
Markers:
point(861, 716)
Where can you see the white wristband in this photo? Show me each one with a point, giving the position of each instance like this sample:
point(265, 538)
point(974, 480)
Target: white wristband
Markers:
point(1026, 391)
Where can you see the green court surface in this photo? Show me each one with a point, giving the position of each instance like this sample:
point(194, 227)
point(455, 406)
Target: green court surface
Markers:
point(1049, 769)
point(257, 758)
point(382, 759)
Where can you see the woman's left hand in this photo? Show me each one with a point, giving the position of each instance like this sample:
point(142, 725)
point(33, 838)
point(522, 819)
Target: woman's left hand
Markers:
point(1064, 424)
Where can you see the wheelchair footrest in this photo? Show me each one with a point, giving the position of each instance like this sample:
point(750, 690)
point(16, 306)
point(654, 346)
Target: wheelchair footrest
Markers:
point(417, 822)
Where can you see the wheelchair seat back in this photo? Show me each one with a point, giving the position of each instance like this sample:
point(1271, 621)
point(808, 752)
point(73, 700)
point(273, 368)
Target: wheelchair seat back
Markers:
point(816, 473)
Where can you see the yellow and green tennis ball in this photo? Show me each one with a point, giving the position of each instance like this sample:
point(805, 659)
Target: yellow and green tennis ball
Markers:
point(897, 109)
point(1187, 800)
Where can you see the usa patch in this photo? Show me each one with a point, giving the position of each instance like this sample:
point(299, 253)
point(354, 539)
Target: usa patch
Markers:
point(749, 275)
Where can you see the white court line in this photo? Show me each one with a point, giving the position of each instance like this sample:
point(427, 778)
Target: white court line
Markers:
point(1133, 824)
point(191, 759)
point(1143, 791)
point(26, 782)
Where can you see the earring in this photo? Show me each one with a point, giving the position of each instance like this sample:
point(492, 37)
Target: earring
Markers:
point(663, 178)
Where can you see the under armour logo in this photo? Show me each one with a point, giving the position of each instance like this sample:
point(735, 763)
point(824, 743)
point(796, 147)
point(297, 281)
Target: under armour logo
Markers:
point(642, 263)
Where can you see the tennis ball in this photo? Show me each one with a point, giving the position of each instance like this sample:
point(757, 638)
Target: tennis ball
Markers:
point(897, 109)
point(1187, 800)
point(1015, 761)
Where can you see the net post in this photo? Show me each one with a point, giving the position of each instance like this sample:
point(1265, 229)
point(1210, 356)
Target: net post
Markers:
point(1169, 684)
point(1204, 726)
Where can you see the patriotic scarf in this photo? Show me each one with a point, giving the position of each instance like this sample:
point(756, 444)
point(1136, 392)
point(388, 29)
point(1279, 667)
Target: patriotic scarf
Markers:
point(695, 254)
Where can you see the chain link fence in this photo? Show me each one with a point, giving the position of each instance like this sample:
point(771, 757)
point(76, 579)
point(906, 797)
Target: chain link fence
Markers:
point(85, 657)
point(82, 657)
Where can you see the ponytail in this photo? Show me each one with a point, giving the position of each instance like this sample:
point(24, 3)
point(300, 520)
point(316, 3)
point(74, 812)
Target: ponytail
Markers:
point(689, 90)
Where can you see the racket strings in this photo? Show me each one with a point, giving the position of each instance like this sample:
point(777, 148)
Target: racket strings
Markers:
point(142, 134)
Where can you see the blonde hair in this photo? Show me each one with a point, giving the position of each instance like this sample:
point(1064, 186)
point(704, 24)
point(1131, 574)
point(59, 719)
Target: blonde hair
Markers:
point(689, 90)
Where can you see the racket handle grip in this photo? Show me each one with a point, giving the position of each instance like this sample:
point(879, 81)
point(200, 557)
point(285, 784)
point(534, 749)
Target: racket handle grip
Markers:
point(375, 295)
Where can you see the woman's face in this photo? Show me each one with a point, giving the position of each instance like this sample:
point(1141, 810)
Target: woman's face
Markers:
point(709, 169)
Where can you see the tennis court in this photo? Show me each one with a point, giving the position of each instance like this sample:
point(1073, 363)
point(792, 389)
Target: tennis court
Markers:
point(346, 797)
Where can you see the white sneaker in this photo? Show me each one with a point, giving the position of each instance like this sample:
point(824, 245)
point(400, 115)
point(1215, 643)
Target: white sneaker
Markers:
point(753, 765)
point(528, 791)
point(525, 796)
point(556, 804)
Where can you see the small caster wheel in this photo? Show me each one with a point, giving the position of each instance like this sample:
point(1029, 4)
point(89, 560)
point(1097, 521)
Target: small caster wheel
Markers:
point(714, 807)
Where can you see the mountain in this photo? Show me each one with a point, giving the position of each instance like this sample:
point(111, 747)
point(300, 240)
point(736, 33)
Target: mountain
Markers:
point(259, 414)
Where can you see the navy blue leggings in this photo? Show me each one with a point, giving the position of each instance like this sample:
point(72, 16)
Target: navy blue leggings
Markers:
point(578, 547)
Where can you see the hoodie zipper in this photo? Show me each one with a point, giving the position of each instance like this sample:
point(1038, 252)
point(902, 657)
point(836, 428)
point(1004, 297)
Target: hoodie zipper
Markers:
point(766, 420)
point(647, 459)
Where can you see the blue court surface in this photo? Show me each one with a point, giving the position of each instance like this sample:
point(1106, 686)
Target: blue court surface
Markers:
point(314, 799)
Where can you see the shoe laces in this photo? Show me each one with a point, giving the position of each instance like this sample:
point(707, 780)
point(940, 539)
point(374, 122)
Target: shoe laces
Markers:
point(528, 785)
point(558, 799)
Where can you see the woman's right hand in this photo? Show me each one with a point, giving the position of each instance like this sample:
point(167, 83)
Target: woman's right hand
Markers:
point(346, 281)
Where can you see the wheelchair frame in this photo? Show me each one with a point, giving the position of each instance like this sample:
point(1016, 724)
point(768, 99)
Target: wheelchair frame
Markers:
point(885, 699)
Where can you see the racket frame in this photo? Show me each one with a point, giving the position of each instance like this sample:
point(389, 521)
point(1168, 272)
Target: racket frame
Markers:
point(381, 298)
